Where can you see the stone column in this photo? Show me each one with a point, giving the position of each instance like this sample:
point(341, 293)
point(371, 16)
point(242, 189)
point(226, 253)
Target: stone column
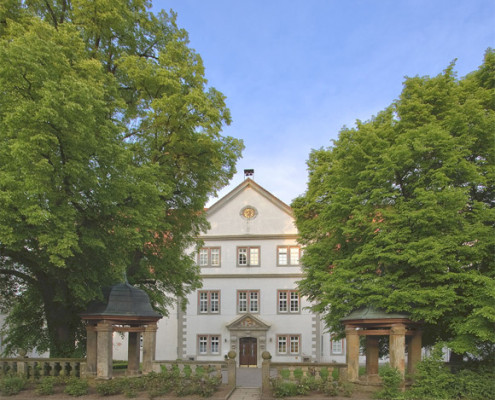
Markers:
point(91, 350)
point(133, 353)
point(397, 347)
point(104, 354)
point(149, 346)
point(414, 353)
point(265, 373)
point(352, 353)
point(231, 367)
point(371, 355)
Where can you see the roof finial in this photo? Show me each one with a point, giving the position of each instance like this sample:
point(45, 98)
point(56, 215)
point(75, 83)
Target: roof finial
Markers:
point(248, 173)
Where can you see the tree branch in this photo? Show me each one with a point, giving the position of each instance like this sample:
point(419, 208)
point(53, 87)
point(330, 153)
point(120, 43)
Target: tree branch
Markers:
point(18, 274)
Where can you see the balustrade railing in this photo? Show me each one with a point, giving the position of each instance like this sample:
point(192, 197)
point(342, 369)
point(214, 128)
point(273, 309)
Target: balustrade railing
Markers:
point(185, 368)
point(297, 371)
point(38, 367)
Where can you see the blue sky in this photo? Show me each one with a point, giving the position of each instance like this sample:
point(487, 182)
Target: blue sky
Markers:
point(296, 71)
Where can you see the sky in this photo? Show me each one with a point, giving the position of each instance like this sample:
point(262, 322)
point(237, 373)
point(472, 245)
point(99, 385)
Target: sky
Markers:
point(296, 71)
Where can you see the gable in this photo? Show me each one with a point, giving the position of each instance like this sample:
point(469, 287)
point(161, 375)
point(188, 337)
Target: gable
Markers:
point(250, 210)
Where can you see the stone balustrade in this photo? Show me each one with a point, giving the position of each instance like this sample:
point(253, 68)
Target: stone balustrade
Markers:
point(294, 371)
point(184, 368)
point(34, 367)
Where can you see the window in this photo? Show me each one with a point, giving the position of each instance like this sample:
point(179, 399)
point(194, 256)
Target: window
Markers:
point(209, 257)
point(288, 301)
point(248, 301)
point(288, 255)
point(248, 256)
point(208, 344)
point(288, 344)
point(209, 302)
point(337, 346)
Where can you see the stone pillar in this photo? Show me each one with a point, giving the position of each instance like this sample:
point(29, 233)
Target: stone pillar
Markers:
point(104, 354)
point(352, 353)
point(91, 350)
point(265, 373)
point(133, 353)
point(414, 353)
point(231, 367)
point(372, 355)
point(397, 347)
point(149, 347)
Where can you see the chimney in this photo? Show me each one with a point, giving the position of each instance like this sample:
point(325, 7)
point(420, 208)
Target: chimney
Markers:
point(248, 173)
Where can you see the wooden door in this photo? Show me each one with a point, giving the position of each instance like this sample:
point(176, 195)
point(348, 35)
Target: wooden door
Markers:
point(248, 352)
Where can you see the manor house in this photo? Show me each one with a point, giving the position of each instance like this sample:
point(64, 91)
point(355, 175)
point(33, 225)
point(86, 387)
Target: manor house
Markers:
point(250, 264)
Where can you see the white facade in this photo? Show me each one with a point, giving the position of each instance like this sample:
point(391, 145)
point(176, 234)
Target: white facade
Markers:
point(249, 301)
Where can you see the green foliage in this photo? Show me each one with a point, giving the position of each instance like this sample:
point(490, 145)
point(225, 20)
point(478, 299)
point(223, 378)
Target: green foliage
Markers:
point(110, 145)
point(111, 387)
point(391, 383)
point(158, 384)
point(76, 387)
point(281, 388)
point(12, 384)
point(399, 212)
point(46, 385)
point(305, 385)
point(434, 380)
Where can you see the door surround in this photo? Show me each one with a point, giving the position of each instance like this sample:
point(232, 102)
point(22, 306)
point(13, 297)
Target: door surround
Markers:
point(248, 326)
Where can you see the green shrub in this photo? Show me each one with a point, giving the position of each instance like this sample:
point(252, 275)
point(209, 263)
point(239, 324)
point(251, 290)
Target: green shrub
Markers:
point(158, 384)
point(281, 389)
point(476, 384)
point(330, 388)
point(432, 380)
point(208, 386)
point(285, 373)
point(76, 387)
point(111, 387)
point(11, 385)
point(391, 382)
point(346, 389)
point(46, 385)
point(324, 374)
point(298, 373)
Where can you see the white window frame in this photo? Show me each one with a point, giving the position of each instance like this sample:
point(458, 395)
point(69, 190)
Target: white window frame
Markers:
point(210, 302)
point(209, 345)
point(288, 251)
point(252, 254)
point(289, 341)
point(248, 301)
point(207, 257)
point(291, 300)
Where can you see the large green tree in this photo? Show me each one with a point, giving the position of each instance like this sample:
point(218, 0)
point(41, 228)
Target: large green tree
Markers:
point(110, 145)
point(399, 212)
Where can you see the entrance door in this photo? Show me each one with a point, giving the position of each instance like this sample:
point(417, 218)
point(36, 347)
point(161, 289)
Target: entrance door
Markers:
point(249, 350)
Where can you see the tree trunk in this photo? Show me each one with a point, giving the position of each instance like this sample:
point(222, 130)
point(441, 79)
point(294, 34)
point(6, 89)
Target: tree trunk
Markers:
point(60, 316)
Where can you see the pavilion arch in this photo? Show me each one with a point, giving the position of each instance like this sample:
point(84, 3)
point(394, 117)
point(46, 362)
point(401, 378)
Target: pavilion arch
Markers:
point(125, 309)
point(373, 323)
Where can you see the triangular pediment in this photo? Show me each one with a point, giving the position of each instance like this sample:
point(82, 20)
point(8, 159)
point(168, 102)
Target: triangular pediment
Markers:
point(248, 322)
point(249, 184)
